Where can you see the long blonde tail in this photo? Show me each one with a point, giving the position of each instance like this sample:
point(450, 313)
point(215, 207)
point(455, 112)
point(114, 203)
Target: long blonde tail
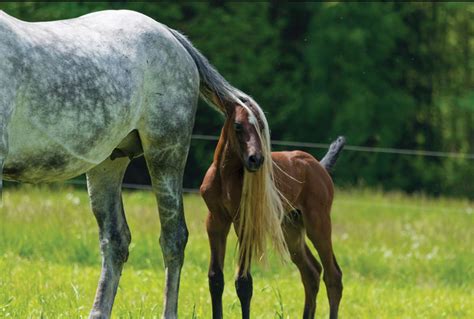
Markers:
point(261, 212)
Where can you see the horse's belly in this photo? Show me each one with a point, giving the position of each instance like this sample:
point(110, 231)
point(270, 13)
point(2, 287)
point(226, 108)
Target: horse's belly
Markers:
point(43, 167)
point(40, 153)
point(33, 157)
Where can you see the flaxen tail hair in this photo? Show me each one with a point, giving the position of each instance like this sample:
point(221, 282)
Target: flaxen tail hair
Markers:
point(261, 208)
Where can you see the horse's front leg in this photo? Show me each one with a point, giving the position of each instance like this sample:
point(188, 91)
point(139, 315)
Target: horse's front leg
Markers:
point(2, 160)
point(3, 149)
point(6, 108)
point(104, 186)
point(8, 90)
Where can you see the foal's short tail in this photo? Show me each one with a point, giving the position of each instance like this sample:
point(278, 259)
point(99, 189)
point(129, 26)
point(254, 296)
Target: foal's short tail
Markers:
point(215, 90)
point(332, 155)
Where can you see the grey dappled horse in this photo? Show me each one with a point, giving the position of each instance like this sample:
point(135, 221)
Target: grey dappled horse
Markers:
point(87, 95)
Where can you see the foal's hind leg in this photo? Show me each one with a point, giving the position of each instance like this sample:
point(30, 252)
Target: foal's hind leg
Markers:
point(309, 268)
point(104, 184)
point(318, 229)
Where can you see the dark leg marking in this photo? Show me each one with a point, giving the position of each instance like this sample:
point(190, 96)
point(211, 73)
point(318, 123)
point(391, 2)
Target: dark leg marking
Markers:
point(217, 230)
point(244, 288)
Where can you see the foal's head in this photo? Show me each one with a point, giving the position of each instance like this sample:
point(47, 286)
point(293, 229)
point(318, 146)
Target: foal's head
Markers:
point(245, 133)
point(260, 210)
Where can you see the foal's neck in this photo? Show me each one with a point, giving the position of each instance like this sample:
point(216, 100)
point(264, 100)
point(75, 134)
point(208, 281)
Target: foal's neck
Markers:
point(226, 157)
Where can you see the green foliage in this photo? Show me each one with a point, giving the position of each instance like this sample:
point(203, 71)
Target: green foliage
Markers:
point(393, 75)
point(413, 255)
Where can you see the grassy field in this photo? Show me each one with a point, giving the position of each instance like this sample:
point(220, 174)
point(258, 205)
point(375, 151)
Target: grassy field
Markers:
point(402, 257)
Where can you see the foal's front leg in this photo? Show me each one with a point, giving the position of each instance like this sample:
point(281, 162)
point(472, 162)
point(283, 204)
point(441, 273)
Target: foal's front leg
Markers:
point(244, 285)
point(104, 186)
point(217, 230)
point(244, 288)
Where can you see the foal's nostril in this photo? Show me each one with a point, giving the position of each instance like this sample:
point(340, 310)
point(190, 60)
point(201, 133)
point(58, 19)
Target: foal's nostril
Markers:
point(253, 160)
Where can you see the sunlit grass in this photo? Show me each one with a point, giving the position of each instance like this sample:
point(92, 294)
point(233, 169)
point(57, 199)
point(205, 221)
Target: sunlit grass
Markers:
point(402, 257)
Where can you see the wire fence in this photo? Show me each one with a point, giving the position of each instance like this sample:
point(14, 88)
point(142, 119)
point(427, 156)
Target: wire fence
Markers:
point(353, 148)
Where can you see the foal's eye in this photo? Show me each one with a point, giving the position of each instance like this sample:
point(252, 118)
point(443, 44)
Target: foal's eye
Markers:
point(238, 127)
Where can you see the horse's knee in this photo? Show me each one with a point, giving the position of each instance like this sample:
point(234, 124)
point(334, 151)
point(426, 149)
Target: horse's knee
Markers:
point(334, 278)
point(297, 257)
point(334, 283)
point(216, 281)
point(122, 246)
point(244, 287)
point(116, 245)
point(338, 283)
point(313, 285)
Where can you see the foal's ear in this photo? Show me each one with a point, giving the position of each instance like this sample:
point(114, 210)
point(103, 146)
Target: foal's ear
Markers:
point(229, 109)
point(231, 106)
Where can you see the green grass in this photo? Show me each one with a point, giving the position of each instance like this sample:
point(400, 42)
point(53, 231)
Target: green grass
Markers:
point(402, 257)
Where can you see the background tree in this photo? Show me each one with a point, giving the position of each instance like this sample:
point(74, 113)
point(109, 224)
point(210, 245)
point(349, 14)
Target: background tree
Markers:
point(395, 75)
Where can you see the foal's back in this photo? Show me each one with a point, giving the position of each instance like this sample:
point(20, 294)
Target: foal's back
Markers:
point(303, 181)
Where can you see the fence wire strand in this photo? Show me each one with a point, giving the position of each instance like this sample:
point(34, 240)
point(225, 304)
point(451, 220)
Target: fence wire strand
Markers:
point(356, 148)
point(353, 148)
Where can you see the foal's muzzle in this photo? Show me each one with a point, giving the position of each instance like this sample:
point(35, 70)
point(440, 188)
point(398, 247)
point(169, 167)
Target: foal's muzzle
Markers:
point(254, 162)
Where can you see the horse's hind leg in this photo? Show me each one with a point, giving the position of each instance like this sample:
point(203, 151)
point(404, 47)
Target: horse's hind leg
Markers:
point(318, 229)
point(309, 268)
point(165, 156)
point(104, 186)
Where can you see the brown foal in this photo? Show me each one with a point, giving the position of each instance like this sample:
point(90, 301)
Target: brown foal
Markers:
point(307, 192)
